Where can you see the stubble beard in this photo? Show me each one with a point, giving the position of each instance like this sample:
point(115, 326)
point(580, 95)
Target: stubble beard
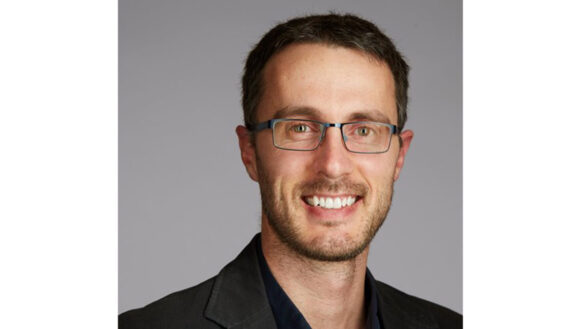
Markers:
point(339, 249)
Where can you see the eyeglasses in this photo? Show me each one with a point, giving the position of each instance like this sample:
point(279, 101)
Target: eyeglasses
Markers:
point(307, 135)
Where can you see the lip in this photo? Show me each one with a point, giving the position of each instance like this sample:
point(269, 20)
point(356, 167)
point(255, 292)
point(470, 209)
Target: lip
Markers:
point(319, 214)
point(332, 196)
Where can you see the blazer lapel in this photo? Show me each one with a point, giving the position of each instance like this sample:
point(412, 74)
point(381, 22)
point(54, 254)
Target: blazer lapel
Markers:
point(238, 297)
point(396, 315)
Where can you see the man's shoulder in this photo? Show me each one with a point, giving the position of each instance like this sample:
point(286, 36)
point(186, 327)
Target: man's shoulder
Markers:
point(235, 295)
point(177, 310)
point(416, 309)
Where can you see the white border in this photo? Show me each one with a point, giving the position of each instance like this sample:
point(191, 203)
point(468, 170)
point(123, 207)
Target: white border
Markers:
point(58, 167)
point(523, 164)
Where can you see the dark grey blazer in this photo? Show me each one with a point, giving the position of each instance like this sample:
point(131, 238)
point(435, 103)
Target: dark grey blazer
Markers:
point(236, 298)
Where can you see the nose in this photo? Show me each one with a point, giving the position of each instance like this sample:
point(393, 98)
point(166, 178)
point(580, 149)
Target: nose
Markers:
point(332, 159)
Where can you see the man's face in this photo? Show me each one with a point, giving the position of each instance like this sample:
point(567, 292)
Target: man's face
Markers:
point(329, 84)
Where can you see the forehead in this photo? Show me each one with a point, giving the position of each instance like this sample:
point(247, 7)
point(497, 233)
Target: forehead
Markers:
point(336, 83)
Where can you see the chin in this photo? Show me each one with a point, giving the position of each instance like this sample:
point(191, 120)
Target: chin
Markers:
point(330, 247)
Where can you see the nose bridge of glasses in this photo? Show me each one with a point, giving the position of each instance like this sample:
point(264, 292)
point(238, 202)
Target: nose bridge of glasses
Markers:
point(332, 125)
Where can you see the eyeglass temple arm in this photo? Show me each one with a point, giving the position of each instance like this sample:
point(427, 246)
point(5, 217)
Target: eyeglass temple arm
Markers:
point(261, 126)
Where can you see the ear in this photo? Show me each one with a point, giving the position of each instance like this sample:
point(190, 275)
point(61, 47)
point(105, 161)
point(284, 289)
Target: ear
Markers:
point(247, 151)
point(406, 137)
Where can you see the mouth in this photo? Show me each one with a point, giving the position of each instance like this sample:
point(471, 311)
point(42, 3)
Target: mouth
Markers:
point(331, 202)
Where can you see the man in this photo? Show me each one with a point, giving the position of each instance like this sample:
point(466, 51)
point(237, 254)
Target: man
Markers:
point(324, 101)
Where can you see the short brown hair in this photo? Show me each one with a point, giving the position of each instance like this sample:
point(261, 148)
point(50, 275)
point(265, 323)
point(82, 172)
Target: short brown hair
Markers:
point(347, 31)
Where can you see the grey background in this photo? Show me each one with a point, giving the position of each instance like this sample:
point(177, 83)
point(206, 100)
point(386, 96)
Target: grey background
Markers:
point(186, 205)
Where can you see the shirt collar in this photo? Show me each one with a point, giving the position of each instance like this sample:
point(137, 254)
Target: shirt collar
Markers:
point(287, 315)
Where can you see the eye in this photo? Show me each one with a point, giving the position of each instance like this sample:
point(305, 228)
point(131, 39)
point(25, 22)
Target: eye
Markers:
point(363, 131)
point(300, 128)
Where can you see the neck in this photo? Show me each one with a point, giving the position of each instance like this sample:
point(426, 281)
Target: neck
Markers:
point(328, 294)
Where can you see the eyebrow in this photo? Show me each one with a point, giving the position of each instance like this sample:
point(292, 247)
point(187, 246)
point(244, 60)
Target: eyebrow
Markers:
point(373, 115)
point(289, 111)
point(370, 115)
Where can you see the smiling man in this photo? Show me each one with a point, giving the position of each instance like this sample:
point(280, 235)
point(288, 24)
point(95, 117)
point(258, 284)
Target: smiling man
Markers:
point(324, 101)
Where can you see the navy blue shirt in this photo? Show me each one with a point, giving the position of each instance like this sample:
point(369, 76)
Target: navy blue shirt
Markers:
point(287, 315)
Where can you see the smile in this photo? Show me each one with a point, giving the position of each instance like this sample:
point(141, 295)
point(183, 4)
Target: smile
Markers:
point(330, 202)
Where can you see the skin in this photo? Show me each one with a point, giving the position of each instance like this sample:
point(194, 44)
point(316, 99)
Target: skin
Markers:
point(319, 256)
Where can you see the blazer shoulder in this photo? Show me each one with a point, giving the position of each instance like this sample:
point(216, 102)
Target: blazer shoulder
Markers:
point(417, 307)
point(176, 310)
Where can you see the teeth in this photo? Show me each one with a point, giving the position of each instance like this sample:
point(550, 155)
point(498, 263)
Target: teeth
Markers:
point(350, 201)
point(330, 203)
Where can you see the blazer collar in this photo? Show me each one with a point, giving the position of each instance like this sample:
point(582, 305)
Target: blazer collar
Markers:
point(238, 297)
point(402, 314)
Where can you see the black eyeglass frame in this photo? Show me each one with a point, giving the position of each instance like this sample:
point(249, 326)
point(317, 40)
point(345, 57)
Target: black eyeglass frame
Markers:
point(270, 124)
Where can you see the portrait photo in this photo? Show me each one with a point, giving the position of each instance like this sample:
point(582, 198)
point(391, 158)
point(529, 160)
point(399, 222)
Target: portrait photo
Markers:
point(270, 164)
point(190, 162)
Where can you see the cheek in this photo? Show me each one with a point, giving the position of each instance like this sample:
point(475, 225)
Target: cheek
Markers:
point(283, 169)
point(378, 172)
point(281, 163)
